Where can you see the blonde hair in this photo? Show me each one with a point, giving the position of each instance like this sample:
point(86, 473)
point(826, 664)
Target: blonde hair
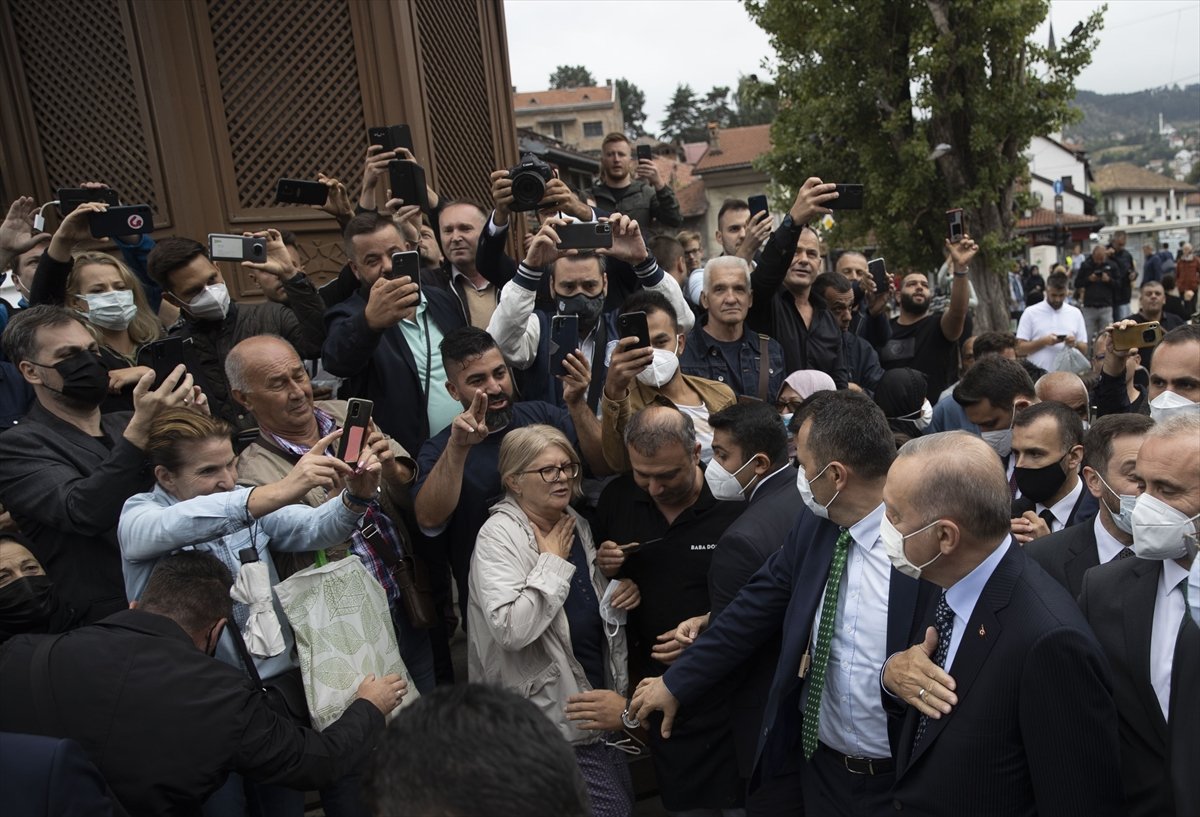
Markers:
point(523, 445)
point(145, 326)
point(175, 427)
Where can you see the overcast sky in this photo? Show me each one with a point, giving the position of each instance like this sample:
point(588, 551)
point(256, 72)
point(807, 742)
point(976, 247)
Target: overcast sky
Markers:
point(1144, 43)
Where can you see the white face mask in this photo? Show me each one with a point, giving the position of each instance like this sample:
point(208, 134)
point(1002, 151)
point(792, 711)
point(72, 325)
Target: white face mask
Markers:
point(1123, 519)
point(786, 419)
point(893, 541)
point(210, 305)
point(804, 485)
point(661, 369)
point(723, 484)
point(1161, 532)
point(1168, 404)
point(613, 617)
point(109, 310)
point(1000, 441)
point(921, 418)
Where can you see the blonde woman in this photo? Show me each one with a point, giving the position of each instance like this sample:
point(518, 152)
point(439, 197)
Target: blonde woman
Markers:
point(542, 619)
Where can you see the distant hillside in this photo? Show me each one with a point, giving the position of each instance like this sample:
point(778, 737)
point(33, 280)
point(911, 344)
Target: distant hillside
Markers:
point(1111, 119)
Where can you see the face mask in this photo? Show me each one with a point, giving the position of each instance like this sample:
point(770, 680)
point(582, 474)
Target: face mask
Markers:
point(893, 541)
point(1123, 519)
point(661, 369)
point(110, 310)
point(613, 617)
point(26, 604)
point(1161, 532)
point(210, 305)
point(1168, 404)
point(1000, 441)
point(723, 484)
point(921, 418)
point(588, 308)
point(85, 380)
point(787, 421)
point(804, 485)
point(1039, 484)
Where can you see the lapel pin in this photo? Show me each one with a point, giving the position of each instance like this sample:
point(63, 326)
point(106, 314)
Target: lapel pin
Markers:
point(982, 632)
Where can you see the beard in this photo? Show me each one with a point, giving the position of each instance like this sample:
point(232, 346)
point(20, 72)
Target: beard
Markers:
point(499, 419)
point(909, 305)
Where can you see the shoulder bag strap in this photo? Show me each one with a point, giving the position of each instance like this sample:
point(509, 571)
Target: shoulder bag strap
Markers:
point(764, 367)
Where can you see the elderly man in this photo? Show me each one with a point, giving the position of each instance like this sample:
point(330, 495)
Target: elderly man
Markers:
point(1138, 609)
point(269, 379)
point(722, 348)
point(1006, 703)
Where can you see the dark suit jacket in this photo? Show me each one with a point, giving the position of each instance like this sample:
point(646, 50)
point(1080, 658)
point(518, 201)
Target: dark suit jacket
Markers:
point(1118, 601)
point(165, 723)
point(784, 593)
point(1085, 507)
point(1034, 731)
point(1067, 555)
point(51, 778)
point(746, 544)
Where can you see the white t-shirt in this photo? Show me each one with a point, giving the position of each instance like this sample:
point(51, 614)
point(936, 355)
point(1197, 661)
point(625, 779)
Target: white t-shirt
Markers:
point(704, 432)
point(1040, 320)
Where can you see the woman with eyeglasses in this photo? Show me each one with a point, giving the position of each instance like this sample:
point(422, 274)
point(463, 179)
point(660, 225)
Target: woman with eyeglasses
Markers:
point(543, 620)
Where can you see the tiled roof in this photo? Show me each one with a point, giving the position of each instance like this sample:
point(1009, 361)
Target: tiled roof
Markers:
point(739, 147)
point(532, 100)
point(692, 201)
point(1126, 176)
point(1045, 218)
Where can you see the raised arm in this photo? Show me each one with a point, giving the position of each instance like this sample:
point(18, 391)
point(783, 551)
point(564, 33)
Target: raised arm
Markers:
point(955, 316)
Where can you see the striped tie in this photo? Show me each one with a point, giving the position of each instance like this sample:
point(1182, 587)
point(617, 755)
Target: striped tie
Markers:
point(816, 681)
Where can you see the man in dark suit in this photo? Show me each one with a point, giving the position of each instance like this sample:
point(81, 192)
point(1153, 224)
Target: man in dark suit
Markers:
point(163, 721)
point(1048, 447)
point(842, 609)
point(1138, 609)
point(56, 778)
point(1009, 703)
point(1110, 450)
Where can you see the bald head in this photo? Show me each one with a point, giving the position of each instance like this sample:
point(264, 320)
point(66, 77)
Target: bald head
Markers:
point(1066, 388)
point(246, 360)
point(657, 426)
point(267, 377)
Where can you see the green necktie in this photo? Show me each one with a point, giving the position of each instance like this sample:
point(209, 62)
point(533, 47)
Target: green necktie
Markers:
point(816, 679)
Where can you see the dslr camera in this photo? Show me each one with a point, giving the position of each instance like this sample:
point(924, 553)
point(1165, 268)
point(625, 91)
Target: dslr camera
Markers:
point(529, 179)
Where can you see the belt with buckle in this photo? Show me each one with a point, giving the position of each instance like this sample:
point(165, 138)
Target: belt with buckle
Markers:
point(862, 765)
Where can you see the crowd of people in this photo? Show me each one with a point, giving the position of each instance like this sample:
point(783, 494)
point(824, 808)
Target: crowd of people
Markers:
point(805, 540)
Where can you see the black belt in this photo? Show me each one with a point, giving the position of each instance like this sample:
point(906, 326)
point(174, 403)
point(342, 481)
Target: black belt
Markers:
point(861, 765)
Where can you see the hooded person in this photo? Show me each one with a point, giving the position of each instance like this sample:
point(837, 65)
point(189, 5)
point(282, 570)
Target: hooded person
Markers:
point(901, 395)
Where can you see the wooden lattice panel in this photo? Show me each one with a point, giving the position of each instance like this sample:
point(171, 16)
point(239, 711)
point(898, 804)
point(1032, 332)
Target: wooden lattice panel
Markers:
point(289, 85)
point(86, 98)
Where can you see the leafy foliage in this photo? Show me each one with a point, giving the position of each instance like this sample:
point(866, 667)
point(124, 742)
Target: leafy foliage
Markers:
point(688, 114)
point(633, 103)
point(571, 76)
point(682, 121)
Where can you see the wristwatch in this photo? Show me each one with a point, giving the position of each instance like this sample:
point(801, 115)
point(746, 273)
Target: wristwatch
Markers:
point(363, 502)
point(627, 720)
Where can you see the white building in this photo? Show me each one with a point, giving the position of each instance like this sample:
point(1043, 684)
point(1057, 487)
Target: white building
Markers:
point(1051, 160)
point(1129, 195)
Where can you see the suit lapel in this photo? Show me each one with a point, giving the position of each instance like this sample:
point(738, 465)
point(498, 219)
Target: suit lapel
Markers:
point(68, 431)
point(798, 623)
point(1083, 556)
point(1139, 621)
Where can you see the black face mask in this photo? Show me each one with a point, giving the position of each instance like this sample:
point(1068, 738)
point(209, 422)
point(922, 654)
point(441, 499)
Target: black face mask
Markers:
point(26, 604)
point(1039, 484)
point(85, 380)
point(588, 308)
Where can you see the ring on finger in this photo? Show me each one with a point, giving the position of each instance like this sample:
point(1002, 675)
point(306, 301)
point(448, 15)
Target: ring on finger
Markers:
point(921, 694)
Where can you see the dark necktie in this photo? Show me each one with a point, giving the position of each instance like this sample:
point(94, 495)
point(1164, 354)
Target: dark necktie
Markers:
point(1012, 483)
point(943, 620)
point(816, 680)
point(1123, 553)
point(1048, 517)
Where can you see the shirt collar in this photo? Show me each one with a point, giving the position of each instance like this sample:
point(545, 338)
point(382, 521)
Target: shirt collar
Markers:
point(1107, 546)
point(1062, 509)
point(1170, 576)
point(458, 274)
point(865, 531)
point(965, 593)
point(763, 481)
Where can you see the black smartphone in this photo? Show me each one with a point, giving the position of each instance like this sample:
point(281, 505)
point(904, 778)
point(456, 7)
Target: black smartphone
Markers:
point(301, 191)
point(878, 272)
point(164, 355)
point(758, 204)
point(564, 339)
point(644, 152)
point(128, 220)
point(584, 235)
point(354, 430)
point(407, 180)
point(633, 325)
point(391, 137)
point(71, 197)
point(223, 247)
point(405, 263)
point(850, 197)
point(954, 224)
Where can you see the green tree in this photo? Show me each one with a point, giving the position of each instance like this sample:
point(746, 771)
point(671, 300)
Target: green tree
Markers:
point(756, 102)
point(1194, 176)
point(633, 103)
point(571, 76)
point(682, 121)
point(715, 108)
point(964, 75)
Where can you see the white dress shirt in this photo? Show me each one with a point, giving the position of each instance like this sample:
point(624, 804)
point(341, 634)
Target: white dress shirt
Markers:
point(1107, 547)
point(1062, 509)
point(1168, 616)
point(1194, 589)
point(964, 595)
point(852, 718)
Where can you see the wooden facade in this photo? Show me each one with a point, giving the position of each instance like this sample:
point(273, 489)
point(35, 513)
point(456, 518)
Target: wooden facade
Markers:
point(198, 107)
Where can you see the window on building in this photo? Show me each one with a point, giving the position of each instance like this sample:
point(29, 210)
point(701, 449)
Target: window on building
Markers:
point(556, 130)
point(1158, 212)
point(1141, 202)
point(1128, 219)
point(593, 130)
point(1129, 202)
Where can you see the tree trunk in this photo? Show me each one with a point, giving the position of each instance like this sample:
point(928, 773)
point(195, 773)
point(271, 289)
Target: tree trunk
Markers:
point(989, 274)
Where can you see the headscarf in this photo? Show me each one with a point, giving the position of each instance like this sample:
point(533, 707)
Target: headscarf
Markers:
point(806, 382)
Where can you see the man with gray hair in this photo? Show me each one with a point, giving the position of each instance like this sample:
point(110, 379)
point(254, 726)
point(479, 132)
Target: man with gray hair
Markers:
point(1007, 701)
point(721, 348)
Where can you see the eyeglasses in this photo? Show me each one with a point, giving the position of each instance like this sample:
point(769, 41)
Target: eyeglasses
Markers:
point(553, 473)
point(789, 405)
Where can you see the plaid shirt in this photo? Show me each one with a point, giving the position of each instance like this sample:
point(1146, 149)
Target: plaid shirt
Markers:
point(374, 515)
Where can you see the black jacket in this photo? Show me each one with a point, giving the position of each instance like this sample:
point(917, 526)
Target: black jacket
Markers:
point(1067, 555)
point(164, 722)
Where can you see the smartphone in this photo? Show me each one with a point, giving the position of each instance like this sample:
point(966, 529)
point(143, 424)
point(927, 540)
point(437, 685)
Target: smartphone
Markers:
point(164, 355)
point(301, 191)
point(354, 430)
point(405, 263)
point(584, 235)
point(850, 197)
point(1060, 338)
point(223, 247)
point(391, 137)
point(644, 152)
point(878, 272)
point(633, 325)
point(407, 180)
point(128, 220)
point(71, 197)
point(1138, 336)
point(758, 204)
point(954, 223)
point(564, 339)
